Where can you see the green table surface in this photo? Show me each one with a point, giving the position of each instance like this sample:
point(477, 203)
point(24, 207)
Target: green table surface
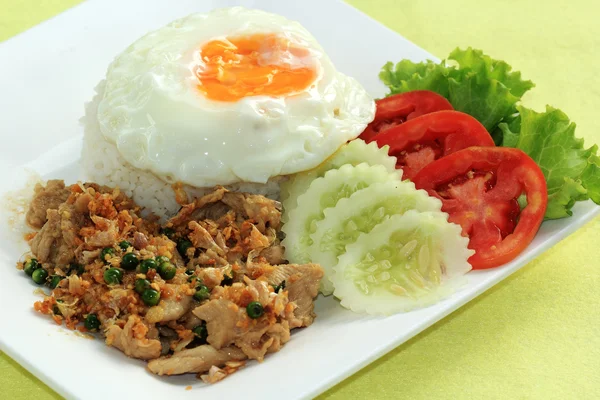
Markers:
point(533, 336)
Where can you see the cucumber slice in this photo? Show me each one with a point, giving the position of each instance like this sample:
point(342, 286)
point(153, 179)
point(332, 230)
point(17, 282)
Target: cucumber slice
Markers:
point(324, 193)
point(355, 152)
point(358, 214)
point(408, 261)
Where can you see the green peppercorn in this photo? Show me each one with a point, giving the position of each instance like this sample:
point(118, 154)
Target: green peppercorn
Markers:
point(76, 269)
point(141, 285)
point(201, 332)
point(168, 232)
point(279, 287)
point(92, 323)
point(202, 293)
point(147, 265)
point(124, 245)
point(56, 310)
point(227, 280)
point(129, 261)
point(30, 266)
point(182, 246)
point(255, 310)
point(161, 259)
point(113, 276)
point(167, 271)
point(150, 297)
point(55, 280)
point(106, 253)
point(39, 276)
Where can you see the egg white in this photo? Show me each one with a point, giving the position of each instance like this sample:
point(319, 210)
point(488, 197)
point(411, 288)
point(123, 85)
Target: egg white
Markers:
point(159, 120)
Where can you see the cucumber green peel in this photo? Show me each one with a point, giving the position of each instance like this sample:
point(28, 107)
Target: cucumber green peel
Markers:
point(407, 261)
point(358, 214)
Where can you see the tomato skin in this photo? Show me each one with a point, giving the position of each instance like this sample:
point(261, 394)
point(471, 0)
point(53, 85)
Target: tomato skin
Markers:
point(445, 132)
point(483, 211)
point(398, 108)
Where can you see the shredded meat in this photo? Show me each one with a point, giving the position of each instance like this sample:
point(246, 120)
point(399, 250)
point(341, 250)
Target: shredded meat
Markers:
point(188, 212)
point(258, 208)
point(261, 210)
point(106, 235)
point(201, 238)
point(46, 198)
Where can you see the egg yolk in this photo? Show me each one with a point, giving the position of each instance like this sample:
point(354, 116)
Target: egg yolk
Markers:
point(260, 64)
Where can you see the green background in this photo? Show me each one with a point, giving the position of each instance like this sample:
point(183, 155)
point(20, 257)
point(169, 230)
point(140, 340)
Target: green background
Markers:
point(533, 336)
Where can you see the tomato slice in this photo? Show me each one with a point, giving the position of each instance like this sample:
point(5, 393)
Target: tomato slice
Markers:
point(399, 108)
point(423, 140)
point(479, 188)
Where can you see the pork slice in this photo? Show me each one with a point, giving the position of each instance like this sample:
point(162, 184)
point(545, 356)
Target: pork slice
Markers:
point(222, 317)
point(48, 197)
point(130, 341)
point(280, 333)
point(210, 257)
point(213, 211)
point(173, 307)
point(302, 284)
point(196, 360)
point(228, 323)
point(259, 290)
point(273, 254)
point(57, 241)
point(71, 222)
point(43, 245)
point(254, 343)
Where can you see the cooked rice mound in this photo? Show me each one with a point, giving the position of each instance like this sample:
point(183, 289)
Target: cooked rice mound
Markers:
point(102, 163)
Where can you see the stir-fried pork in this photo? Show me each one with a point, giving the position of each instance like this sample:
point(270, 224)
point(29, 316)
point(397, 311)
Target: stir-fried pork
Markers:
point(202, 294)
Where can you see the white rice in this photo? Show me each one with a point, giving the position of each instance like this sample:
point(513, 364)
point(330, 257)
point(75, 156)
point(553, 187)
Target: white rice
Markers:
point(103, 164)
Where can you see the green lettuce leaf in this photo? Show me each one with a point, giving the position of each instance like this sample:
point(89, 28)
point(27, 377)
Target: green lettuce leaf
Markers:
point(407, 76)
point(490, 91)
point(572, 172)
point(480, 86)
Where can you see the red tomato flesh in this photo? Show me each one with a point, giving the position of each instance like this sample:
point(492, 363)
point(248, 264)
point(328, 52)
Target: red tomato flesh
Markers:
point(421, 141)
point(399, 108)
point(479, 188)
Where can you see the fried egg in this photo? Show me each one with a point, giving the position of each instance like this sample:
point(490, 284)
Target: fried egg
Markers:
point(235, 95)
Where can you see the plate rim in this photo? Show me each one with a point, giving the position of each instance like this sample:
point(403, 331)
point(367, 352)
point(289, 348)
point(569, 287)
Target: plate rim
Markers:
point(344, 372)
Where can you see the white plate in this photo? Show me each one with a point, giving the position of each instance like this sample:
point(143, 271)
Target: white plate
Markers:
point(46, 75)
